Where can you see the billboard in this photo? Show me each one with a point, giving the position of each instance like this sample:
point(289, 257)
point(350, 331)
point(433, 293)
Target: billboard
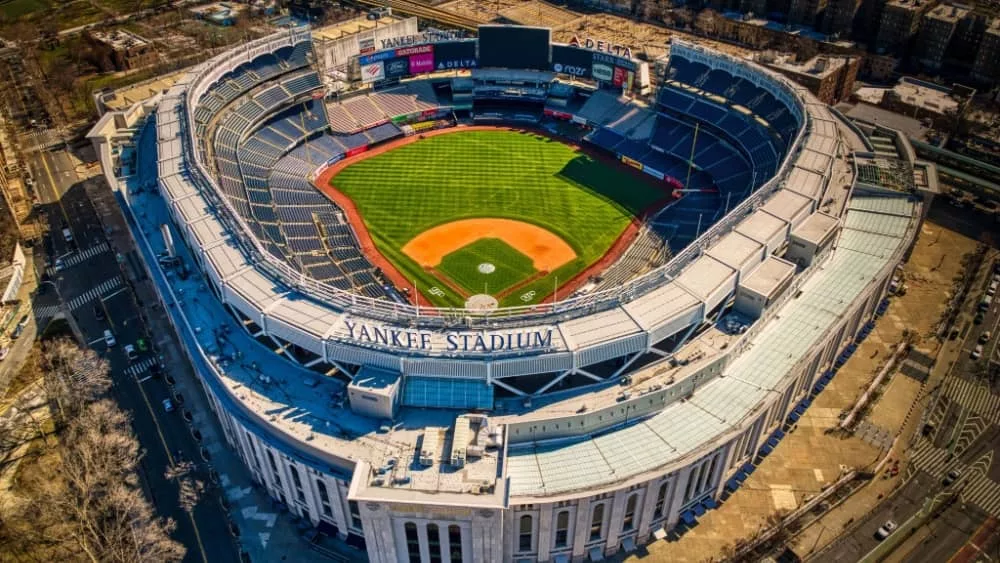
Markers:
point(508, 46)
point(396, 68)
point(373, 72)
point(454, 55)
point(603, 72)
point(572, 61)
point(423, 62)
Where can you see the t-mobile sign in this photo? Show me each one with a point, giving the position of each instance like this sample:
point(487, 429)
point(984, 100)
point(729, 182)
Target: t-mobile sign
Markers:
point(423, 62)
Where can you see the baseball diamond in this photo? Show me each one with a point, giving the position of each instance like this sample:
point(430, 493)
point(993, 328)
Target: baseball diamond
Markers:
point(579, 204)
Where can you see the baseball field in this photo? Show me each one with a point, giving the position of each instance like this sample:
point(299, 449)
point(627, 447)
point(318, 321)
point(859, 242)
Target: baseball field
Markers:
point(507, 213)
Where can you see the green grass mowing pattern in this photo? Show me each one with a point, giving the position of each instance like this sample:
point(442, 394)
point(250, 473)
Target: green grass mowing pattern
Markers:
point(506, 174)
point(462, 266)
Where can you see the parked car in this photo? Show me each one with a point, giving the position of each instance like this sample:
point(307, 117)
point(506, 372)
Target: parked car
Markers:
point(67, 234)
point(109, 338)
point(977, 352)
point(886, 530)
point(985, 337)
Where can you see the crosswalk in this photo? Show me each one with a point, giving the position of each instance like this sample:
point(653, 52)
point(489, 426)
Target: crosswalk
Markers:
point(932, 459)
point(79, 257)
point(46, 312)
point(976, 398)
point(95, 293)
point(138, 369)
point(979, 489)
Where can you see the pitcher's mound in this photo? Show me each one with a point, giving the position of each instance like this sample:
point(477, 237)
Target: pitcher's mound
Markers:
point(481, 302)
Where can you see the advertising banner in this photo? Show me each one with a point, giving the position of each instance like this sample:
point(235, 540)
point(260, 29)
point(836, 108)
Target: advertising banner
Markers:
point(454, 55)
point(415, 50)
point(603, 72)
point(376, 57)
point(423, 62)
point(572, 61)
point(611, 60)
point(674, 182)
point(373, 72)
point(397, 68)
point(632, 162)
point(366, 46)
point(619, 76)
point(356, 150)
point(578, 119)
point(653, 172)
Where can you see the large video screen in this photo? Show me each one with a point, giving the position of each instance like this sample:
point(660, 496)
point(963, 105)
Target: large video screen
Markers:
point(514, 47)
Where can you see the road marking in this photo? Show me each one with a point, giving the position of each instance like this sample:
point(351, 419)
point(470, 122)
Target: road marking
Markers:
point(94, 293)
point(135, 370)
point(79, 257)
point(110, 295)
point(52, 186)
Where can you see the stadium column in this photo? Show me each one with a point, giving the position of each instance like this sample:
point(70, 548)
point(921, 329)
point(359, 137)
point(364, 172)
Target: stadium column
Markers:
point(544, 531)
point(615, 522)
point(581, 529)
point(648, 506)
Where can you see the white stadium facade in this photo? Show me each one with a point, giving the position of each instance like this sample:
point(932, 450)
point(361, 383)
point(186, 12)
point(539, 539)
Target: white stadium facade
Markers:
point(567, 431)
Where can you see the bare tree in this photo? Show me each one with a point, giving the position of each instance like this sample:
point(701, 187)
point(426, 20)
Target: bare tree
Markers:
point(73, 376)
point(190, 489)
point(91, 506)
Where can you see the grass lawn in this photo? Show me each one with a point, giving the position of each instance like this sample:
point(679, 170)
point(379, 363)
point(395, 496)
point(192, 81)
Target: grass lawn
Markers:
point(504, 174)
point(510, 266)
point(16, 9)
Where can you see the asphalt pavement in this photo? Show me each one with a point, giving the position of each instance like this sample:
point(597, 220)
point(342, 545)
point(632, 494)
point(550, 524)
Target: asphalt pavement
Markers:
point(101, 298)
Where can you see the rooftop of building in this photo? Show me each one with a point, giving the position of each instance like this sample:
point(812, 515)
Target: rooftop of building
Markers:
point(353, 26)
point(120, 39)
point(950, 13)
point(909, 5)
point(819, 66)
point(925, 95)
point(227, 8)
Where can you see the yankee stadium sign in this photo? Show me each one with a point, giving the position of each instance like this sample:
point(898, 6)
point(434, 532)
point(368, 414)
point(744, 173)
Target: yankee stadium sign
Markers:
point(454, 341)
point(419, 38)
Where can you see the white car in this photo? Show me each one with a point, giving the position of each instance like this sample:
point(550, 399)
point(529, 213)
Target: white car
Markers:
point(3, 352)
point(130, 353)
point(168, 405)
point(977, 352)
point(886, 530)
point(67, 234)
point(109, 338)
point(59, 265)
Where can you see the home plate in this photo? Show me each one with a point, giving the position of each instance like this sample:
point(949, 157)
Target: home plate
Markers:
point(481, 302)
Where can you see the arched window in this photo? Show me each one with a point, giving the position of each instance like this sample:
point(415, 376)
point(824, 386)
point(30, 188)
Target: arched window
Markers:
point(455, 543)
point(661, 499)
point(562, 529)
point(524, 534)
point(434, 543)
point(628, 523)
point(412, 542)
point(597, 522)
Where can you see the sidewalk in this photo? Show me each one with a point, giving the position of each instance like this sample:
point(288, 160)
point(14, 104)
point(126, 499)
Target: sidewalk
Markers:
point(264, 534)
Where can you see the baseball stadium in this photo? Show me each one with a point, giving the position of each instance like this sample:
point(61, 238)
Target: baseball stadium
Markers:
point(503, 299)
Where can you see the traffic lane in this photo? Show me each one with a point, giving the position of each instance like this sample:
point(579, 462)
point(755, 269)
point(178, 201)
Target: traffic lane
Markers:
point(949, 532)
point(861, 540)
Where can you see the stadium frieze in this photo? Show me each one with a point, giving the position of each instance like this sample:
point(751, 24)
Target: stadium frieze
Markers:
point(532, 339)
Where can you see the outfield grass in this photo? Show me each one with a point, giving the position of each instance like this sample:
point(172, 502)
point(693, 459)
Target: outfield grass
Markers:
point(462, 266)
point(504, 174)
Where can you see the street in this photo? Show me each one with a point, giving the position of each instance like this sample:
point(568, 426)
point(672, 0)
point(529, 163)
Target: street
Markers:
point(953, 456)
point(96, 288)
